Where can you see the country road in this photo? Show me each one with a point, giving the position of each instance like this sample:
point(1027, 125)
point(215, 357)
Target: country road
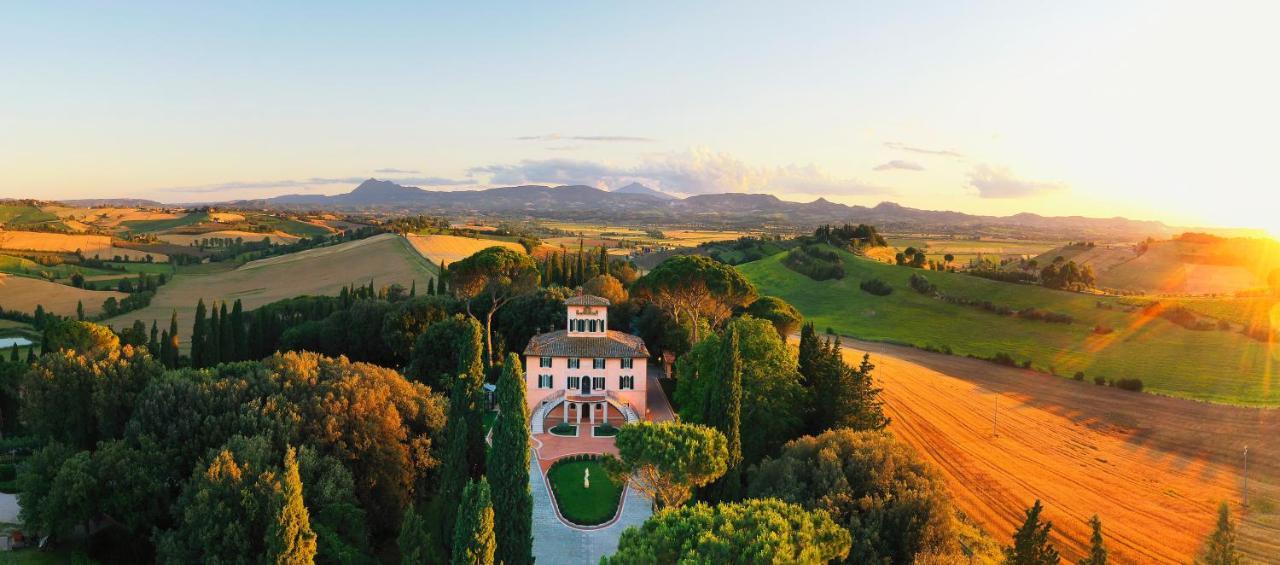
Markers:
point(1153, 468)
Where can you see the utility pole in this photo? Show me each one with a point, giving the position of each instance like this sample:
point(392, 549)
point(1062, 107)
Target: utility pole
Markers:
point(1246, 476)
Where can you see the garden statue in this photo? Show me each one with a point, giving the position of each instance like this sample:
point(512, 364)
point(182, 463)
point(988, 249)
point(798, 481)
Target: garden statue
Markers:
point(586, 478)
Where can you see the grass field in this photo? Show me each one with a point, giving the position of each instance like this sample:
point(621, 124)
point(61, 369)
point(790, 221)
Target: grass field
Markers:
point(26, 267)
point(965, 250)
point(452, 248)
point(88, 245)
point(18, 216)
point(384, 259)
point(188, 238)
point(584, 506)
point(1221, 366)
point(289, 225)
point(161, 224)
point(1153, 468)
point(25, 293)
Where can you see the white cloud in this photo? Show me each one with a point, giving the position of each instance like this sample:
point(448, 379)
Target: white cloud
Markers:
point(697, 171)
point(900, 166)
point(922, 150)
point(999, 182)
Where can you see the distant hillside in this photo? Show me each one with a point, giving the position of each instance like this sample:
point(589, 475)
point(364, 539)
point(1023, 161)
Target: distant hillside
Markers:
point(636, 203)
point(1187, 264)
point(114, 202)
point(637, 188)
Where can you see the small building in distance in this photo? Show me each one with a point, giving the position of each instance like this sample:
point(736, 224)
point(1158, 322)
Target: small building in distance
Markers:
point(587, 367)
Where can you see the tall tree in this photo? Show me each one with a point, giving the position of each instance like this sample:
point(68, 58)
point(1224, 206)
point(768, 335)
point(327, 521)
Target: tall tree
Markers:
point(80, 310)
point(290, 540)
point(1031, 545)
point(239, 339)
point(723, 409)
point(416, 544)
point(171, 346)
point(694, 290)
point(431, 286)
point(153, 344)
point(1097, 549)
point(497, 274)
point(464, 441)
point(198, 341)
point(810, 349)
point(213, 337)
point(508, 468)
point(843, 396)
point(226, 336)
point(1220, 546)
point(473, 540)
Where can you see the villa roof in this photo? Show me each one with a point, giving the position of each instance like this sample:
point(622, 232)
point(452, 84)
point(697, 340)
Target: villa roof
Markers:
point(614, 345)
point(586, 300)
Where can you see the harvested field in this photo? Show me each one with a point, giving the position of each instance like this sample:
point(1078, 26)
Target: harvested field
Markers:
point(187, 238)
point(384, 259)
point(89, 245)
point(1153, 468)
point(109, 217)
point(451, 248)
point(24, 294)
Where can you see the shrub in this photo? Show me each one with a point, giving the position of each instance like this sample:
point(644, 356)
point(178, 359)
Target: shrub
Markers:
point(1079, 376)
point(8, 472)
point(815, 262)
point(1134, 385)
point(563, 429)
point(1099, 380)
point(876, 287)
point(1026, 364)
point(1005, 359)
point(1102, 330)
point(921, 284)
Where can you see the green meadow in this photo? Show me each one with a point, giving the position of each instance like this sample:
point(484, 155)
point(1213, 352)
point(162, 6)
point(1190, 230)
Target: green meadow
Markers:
point(147, 226)
point(1216, 365)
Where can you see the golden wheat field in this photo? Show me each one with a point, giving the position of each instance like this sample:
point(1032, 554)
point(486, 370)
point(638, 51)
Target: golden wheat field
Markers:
point(89, 245)
point(451, 248)
point(278, 237)
point(25, 293)
point(383, 259)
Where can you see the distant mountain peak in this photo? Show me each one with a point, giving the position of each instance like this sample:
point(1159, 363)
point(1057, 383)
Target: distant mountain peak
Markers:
point(637, 188)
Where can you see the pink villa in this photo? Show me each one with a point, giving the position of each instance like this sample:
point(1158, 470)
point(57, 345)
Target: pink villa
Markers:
point(586, 373)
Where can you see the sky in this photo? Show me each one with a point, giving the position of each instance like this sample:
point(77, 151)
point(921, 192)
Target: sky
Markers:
point(1152, 110)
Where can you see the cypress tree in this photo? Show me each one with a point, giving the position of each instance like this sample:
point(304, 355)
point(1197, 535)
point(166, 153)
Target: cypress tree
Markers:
point(239, 340)
point(198, 341)
point(454, 467)
point(1220, 547)
point(290, 540)
point(213, 338)
point(473, 541)
point(810, 349)
point(153, 344)
point(31, 354)
point(13, 354)
point(1097, 550)
point(171, 344)
point(723, 410)
point(471, 372)
point(604, 261)
point(226, 338)
point(413, 288)
point(415, 538)
point(39, 316)
point(431, 286)
point(508, 468)
point(1031, 542)
point(80, 310)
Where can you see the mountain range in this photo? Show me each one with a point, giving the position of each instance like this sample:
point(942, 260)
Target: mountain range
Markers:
point(638, 203)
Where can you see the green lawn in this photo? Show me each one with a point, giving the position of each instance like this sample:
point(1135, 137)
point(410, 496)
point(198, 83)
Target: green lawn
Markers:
point(563, 429)
point(26, 267)
point(584, 506)
point(489, 418)
point(1209, 365)
point(18, 216)
point(287, 225)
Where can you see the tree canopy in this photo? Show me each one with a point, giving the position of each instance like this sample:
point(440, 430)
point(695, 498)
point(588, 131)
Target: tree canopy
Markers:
point(753, 531)
point(693, 289)
point(497, 274)
point(666, 461)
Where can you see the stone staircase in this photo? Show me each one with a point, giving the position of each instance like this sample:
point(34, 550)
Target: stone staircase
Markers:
point(540, 414)
point(627, 411)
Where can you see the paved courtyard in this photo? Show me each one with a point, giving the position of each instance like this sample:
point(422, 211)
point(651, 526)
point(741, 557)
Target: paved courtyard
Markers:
point(557, 542)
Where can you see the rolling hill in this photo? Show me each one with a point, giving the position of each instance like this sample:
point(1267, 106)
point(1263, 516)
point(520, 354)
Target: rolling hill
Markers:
point(1188, 264)
point(1169, 358)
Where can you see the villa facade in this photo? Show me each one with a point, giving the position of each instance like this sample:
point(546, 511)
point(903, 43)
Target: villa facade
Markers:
point(591, 372)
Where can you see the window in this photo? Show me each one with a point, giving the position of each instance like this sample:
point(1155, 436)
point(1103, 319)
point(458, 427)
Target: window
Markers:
point(546, 381)
point(574, 383)
point(593, 325)
point(544, 362)
point(597, 363)
point(627, 382)
point(628, 363)
point(597, 383)
point(573, 363)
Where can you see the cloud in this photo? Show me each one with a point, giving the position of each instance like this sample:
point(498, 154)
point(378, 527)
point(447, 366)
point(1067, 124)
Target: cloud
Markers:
point(999, 182)
point(697, 171)
point(600, 138)
point(310, 184)
point(923, 151)
point(899, 165)
point(392, 171)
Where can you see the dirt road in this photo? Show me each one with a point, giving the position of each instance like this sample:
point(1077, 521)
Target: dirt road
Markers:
point(1153, 468)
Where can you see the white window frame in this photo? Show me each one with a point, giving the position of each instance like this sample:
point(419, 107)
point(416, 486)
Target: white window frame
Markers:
point(575, 363)
point(544, 362)
point(628, 363)
point(546, 381)
point(598, 363)
point(626, 382)
point(573, 383)
point(597, 383)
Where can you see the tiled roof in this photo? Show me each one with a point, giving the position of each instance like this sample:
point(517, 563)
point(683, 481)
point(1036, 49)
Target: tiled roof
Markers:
point(615, 345)
point(586, 300)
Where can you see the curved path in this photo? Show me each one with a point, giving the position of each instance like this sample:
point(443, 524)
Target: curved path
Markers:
point(557, 542)
point(1153, 468)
